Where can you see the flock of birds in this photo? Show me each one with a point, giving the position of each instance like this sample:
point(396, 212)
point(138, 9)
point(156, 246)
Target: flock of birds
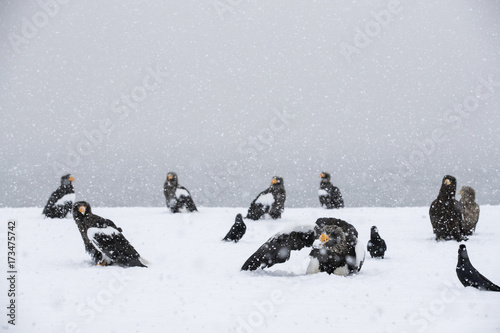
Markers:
point(334, 243)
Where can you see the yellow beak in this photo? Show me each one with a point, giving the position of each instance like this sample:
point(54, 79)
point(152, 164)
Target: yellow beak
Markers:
point(82, 209)
point(324, 238)
point(170, 177)
point(71, 179)
point(274, 181)
point(321, 175)
point(447, 182)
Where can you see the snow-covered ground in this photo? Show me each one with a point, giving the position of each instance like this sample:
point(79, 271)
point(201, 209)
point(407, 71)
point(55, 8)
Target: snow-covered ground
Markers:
point(194, 282)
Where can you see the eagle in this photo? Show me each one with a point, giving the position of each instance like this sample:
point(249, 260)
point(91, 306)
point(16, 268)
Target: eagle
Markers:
point(470, 210)
point(329, 195)
point(61, 200)
point(446, 213)
point(176, 196)
point(334, 248)
point(103, 240)
point(271, 201)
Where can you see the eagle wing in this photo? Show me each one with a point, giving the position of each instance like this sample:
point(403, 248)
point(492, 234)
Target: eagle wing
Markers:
point(277, 249)
point(111, 243)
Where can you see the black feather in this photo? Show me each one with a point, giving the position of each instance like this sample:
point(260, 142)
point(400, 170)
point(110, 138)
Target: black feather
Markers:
point(52, 208)
point(237, 230)
point(116, 247)
point(376, 245)
point(469, 276)
point(104, 239)
point(339, 251)
point(332, 198)
point(277, 249)
point(445, 212)
point(174, 201)
point(277, 190)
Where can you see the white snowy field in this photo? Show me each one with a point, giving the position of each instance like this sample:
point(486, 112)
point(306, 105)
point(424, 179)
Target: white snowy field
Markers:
point(194, 282)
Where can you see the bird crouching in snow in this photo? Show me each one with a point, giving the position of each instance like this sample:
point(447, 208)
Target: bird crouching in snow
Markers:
point(176, 196)
point(334, 243)
point(103, 240)
point(329, 195)
point(237, 230)
point(61, 200)
point(446, 213)
point(469, 276)
point(470, 210)
point(270, 201)
point(376, 245)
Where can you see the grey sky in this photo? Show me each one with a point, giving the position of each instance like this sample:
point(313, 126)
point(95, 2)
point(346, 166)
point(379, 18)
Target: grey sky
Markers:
point(228, 94)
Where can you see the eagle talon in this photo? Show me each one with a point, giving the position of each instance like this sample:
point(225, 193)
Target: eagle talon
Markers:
point(102, 263)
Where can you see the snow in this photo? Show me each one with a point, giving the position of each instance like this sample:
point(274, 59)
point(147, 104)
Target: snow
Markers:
point(265, 199)
point(322, 192)
point(313, 266)
point(181, 192)
point(360, 248)
point(108, 231)
point(298, 228)
point(194, 282)
point(342, 271)
point(70, 197)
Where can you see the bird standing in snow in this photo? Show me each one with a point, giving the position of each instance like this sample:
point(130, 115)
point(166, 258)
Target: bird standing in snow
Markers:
point(237, 230)
point(376, 245)
point(329, 195)
point(103, 240)
point(61, 200)
point(270, 201)
point(469, 276)
point(177, 197)
point(470, 210)
point(446, 212)
point(334, 242)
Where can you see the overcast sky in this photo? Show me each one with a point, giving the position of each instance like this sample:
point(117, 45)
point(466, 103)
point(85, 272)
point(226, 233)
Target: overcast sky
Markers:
point(388, 97)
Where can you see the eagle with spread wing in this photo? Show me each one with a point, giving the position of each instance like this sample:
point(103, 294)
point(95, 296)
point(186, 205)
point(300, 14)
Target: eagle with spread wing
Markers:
point(334, 243)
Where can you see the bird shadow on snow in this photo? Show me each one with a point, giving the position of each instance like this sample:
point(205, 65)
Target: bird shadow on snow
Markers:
point(275, 273)
point(91, 264)
point(81, 263)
